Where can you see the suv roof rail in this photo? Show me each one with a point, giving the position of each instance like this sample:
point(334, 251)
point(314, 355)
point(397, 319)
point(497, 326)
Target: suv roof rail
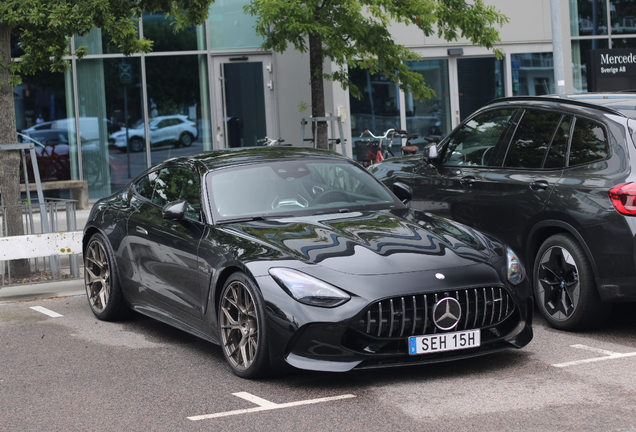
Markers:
point(574, 100)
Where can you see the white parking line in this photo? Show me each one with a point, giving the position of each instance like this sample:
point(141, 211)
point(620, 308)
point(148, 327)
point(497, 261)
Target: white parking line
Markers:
point(609, 355)
point(265, 405)
point(46, 311)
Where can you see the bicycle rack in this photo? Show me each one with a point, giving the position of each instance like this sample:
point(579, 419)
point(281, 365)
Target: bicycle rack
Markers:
point(44, 214)
point(36, 173)
point(315, 120)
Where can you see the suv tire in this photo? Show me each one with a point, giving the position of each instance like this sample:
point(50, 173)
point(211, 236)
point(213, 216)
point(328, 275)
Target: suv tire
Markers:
point(564, 285)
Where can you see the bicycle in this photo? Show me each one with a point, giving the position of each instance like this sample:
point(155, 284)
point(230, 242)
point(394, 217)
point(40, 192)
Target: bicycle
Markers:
point(370, 152)
point(269, 142)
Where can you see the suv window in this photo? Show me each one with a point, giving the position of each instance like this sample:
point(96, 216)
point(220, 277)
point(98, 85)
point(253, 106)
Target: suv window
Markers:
point(559, 147)
point(532, 139)
point(472, 144)
point(589, 143)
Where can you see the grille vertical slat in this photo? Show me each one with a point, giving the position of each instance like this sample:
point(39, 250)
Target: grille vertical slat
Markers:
point(414, 315)
point(481, 306)
point(485, 310)
point(379, 319)
point(403, 316)
point(476, 309)
point(425, 321)
point(392, 318)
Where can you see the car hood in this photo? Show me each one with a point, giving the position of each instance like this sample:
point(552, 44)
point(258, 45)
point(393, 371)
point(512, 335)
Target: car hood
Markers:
point(371, 243)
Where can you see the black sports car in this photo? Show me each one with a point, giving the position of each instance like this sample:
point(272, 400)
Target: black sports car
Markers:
point(289, 256)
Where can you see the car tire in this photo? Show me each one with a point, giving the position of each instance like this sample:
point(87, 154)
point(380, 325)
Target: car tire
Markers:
point(243, 330)
point(564, 286)
point(137, 144)
point(185, 140)
point(103, 291)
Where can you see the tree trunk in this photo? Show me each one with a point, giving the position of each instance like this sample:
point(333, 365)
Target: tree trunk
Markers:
point(316, 59)
point(9, 159)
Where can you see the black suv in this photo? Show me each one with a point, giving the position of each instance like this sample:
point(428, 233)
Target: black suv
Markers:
point(553, 177)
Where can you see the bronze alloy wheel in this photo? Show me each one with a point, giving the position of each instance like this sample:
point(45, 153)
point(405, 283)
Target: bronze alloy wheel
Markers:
point(241, 319)
point(97, 276)
point(100, 277)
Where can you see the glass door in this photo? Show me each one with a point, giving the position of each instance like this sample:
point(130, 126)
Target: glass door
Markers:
point(480, 81)
point(243, 100)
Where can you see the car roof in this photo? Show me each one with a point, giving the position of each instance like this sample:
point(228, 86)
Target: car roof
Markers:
point(623, 104)
point(246, 155)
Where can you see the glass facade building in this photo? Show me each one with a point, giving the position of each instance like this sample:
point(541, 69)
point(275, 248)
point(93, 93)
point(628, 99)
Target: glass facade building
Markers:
point(110, 116)
point(599, 24)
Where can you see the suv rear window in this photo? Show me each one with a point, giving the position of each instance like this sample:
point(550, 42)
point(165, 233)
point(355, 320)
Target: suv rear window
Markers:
point(589, 143)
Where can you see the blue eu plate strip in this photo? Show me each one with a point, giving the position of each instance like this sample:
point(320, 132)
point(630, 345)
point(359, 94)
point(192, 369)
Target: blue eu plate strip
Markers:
point(412, 347)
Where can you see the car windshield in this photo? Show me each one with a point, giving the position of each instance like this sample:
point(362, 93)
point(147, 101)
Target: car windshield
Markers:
point(295, 188)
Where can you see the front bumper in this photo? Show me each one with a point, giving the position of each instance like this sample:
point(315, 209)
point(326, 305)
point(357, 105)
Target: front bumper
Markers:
point(330, 340)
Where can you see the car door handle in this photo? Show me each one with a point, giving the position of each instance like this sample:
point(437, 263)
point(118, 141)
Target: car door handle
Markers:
point(140, 230)
point(539, 185)
point(468, 180)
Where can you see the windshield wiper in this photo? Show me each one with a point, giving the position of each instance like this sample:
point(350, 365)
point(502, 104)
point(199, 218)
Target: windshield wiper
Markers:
point(331, 211)
point(252, 218)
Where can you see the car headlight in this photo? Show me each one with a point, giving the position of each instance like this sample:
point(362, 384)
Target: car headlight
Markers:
point(516, 272)
point(307, 289)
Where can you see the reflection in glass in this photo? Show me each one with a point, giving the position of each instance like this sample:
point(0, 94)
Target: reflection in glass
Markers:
point(623, 16)
point(379, 107)
point(579, 61)
point(588, 17)
point(430, 117)
point(532, 138)
point(532, 74)
point(97, 42)
point(480, 81)
point(160, 30)
point(177, 103)
point(42, 116)
point(230, 27)
point(109, 93)
point(624, 42)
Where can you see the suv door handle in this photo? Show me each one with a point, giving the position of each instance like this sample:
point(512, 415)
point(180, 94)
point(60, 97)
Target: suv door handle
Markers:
point(468, 181)
point(539, 185)
point(140, 230)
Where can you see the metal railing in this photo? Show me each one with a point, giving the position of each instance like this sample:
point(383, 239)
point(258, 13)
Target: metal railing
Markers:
point(59, 216)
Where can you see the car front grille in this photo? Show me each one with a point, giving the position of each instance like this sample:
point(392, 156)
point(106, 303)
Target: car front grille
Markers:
point(411, 315)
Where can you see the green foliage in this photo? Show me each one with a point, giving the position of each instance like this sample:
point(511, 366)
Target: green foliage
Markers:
point(44, 27)
point(356, 33)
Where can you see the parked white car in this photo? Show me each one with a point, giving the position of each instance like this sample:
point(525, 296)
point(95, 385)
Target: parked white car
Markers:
point(177, 129)
point(89, 127)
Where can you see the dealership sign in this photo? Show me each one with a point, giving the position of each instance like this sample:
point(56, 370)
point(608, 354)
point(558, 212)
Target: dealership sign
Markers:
point(611, 70)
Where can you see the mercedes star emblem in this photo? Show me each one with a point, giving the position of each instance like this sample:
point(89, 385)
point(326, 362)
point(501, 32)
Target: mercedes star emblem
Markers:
point(446, 313)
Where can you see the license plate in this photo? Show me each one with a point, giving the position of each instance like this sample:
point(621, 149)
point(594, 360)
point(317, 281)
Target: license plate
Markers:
point(444, 342)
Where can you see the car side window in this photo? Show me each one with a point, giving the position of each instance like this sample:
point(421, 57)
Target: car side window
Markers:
point(557, 151)
point(474, 142)
point(146, 185)
point(532, 138)
point(175, 184)
point(589, 143)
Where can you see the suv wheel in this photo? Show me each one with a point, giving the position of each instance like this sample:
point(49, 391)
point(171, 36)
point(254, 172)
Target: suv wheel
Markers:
point(564, 285)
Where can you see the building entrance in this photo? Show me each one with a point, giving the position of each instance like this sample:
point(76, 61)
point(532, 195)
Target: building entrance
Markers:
point(243, 100)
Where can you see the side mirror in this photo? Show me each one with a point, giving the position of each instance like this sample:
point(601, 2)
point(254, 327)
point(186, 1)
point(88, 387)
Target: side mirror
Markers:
point(403, 192)
point(175, 210)
point(431, 156)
